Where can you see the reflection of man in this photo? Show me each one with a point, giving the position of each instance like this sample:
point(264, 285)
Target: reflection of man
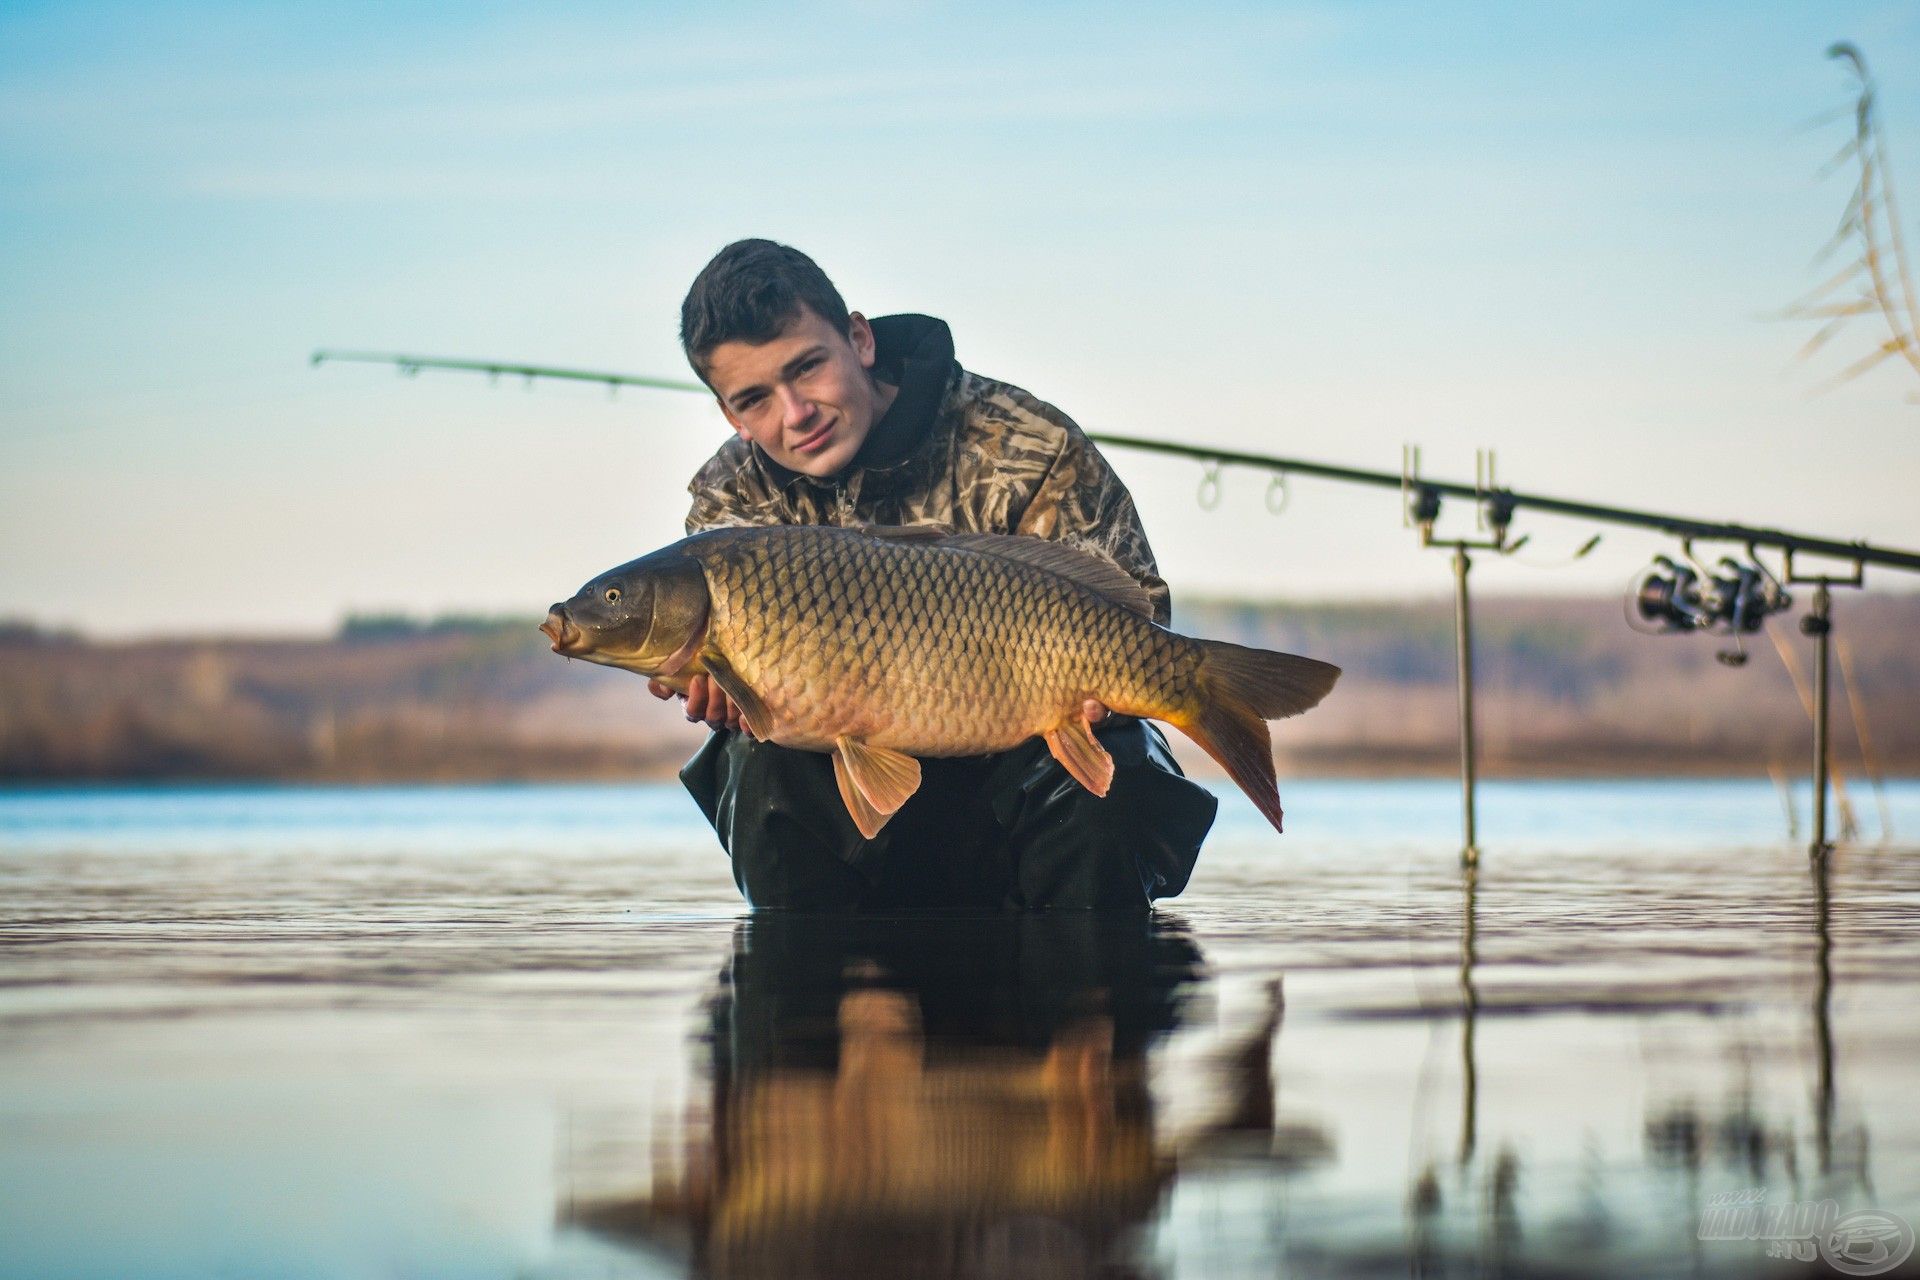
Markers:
point(843, 421)
point(944, 1095)
point(930, 1096)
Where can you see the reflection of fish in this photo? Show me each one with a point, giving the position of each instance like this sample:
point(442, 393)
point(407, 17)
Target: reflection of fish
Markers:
point(873, 1100)
point(879, 645)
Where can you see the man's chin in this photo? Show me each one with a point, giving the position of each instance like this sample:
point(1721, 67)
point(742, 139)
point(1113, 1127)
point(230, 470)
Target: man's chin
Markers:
point(826, 462)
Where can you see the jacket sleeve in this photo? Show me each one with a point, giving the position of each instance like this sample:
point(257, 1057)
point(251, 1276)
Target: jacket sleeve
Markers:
point(1081, 500)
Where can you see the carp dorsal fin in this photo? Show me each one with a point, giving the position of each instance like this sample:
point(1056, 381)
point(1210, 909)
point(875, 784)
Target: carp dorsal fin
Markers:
point(1088, 568)
point(874, 781)
point(753, 712)
point(903, 532)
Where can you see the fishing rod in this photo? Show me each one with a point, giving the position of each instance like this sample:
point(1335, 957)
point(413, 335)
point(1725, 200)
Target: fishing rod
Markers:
point(411, 365)
point(1733, 598)
point(1501, 503)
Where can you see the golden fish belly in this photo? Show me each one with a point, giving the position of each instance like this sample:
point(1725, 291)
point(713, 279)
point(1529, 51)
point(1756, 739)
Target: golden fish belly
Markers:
point(925, 650)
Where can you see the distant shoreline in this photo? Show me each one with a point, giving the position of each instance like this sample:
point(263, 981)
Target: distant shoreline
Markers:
point(1564, 690)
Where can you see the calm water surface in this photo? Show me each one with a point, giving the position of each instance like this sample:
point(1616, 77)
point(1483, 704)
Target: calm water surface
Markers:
point(527, 1032)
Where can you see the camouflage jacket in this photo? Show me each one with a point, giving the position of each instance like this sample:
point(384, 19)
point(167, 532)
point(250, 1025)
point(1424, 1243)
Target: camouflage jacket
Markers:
point(954, 449)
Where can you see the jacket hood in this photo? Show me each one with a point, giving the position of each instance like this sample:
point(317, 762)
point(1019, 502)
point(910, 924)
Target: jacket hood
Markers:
point(915, 354)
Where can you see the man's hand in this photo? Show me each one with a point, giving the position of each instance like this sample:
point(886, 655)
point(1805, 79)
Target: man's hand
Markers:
point(705, 701)
point(1096, 711)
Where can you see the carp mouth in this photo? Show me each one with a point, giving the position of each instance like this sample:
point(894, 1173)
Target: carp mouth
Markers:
point(567, 639)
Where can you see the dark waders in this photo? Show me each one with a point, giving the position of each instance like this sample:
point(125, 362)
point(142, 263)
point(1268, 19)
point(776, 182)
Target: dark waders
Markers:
point(1008, 832)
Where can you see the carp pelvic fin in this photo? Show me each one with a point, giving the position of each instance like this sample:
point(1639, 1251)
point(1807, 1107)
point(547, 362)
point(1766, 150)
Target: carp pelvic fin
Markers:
point(753, 712)
point(867, 818)
point(874, 782)
point(1080, 753)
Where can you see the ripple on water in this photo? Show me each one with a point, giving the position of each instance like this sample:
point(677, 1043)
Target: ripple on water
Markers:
point(524, 1032)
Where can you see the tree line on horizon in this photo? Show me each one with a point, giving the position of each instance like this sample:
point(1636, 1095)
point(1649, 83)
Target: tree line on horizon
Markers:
point(1565, 687)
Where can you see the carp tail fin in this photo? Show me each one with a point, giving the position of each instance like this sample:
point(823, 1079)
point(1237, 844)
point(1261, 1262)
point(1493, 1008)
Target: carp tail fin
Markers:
point(1271, 685)
point(1243, 689)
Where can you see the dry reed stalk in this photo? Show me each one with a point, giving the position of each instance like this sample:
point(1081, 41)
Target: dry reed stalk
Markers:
point(1879, 282)
point(1869, 758)
point(1849, 828)
point(1784, 786)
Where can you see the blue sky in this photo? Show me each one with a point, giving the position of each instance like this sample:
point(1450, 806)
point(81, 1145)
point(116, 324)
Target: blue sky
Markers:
point(1558, 231)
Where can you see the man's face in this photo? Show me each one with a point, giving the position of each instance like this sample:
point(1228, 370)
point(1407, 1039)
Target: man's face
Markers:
point(807, 398)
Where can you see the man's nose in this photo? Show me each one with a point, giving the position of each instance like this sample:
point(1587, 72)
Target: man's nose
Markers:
point(795, 408)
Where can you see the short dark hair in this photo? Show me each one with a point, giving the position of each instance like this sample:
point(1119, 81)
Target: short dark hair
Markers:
point(750, 292)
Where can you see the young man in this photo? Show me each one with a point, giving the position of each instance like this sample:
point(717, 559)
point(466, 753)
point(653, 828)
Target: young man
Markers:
point(844, 421)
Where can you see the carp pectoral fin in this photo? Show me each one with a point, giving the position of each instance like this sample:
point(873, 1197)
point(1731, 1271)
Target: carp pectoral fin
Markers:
point(753, 712)
point(884, 779)
point(865, 816)
point(1081, 754)
point(685, 660)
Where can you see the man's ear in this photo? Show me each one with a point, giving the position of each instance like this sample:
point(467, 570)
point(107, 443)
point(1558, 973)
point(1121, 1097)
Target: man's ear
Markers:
point(731, 420)
point(860, 335)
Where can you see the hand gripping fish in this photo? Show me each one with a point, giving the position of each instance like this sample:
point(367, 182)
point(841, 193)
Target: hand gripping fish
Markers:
point(883, 644)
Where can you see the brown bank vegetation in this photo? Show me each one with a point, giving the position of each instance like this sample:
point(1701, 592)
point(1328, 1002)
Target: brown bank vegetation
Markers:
point(1565, 688)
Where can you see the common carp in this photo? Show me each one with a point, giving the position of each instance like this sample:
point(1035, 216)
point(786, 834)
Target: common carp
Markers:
point(882, 644)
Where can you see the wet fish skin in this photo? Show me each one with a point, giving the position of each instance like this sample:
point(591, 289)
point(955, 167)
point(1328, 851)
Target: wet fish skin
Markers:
point(884, 645)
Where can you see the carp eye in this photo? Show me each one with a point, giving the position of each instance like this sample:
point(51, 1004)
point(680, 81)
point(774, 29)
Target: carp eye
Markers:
point(613, 595)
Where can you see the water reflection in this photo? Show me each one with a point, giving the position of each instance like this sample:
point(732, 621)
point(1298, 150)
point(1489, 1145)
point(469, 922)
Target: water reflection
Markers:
point(1566, 1063)
point(986, 1097)
point(1498, 1230)
point(971, 1094)
point(1469, 1009)
point(1822, 871)
point(1742, 1138)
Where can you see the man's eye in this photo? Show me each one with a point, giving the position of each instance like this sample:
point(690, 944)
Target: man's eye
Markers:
point(810, 365)
point(745, 403)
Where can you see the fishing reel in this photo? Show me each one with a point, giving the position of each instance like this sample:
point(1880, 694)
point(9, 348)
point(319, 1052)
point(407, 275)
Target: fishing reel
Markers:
point(1735, 601)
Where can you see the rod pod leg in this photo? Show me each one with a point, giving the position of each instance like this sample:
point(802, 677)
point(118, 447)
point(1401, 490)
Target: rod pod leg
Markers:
point(1463, 644)
point(1819, 624)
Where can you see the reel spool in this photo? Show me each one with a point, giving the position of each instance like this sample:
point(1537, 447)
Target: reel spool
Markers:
point(1735, 601)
